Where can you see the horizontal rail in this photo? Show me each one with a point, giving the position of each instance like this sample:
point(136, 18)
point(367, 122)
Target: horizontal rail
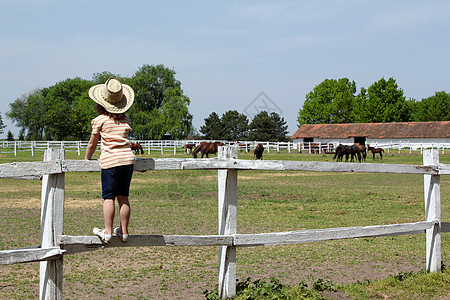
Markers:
point(8, 257)
point(24, 169)
point(76, 244)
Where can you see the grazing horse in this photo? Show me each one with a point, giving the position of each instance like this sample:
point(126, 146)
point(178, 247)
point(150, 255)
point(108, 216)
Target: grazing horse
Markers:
point(376, 150)
point(136, 147)
point(363, 150)
point(189, 147)
point(206, 148)
point(347, 150)
point(258, 152)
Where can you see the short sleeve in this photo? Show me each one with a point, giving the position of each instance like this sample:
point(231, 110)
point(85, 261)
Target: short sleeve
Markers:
point(96, 126)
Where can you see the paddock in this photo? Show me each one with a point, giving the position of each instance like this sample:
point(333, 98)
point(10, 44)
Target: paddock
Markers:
point(55, 244)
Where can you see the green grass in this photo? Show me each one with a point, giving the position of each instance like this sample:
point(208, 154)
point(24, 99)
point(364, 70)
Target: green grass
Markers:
point(185, 202)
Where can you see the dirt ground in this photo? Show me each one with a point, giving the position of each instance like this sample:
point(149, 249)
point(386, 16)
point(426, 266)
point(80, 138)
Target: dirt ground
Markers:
point(168, 273)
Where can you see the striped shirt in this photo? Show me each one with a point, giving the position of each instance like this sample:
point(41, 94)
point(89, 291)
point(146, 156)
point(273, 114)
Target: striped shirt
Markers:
point(115, 147)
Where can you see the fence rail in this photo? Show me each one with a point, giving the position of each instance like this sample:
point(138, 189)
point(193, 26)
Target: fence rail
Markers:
point(55, 244)
point(179, 146)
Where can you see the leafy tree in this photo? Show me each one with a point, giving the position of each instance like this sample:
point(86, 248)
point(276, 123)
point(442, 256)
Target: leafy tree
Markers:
point(64, 111)
point(10, 136)
point(382, 102)
point(152, 117)
point(1, 124)
point(60, 112)
point(235, 125)
point(149, 84)
point(265, 127)
point(176, 117)
point(213, 129)
point(99, 78)
point(331, 102)
point(69, 110)
point(28, 112)
point(434, 108)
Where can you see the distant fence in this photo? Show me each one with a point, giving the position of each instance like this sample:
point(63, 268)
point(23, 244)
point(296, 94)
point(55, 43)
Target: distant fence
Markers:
point(55, 244)
point(179, 146)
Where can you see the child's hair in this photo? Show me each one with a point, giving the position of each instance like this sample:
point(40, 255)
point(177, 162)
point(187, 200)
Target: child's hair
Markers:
point(102, 111)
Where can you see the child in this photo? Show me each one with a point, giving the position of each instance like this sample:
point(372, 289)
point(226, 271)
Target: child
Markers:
point(116, 158)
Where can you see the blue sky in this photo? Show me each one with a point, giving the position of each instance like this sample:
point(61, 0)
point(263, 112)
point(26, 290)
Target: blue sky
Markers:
point(228, 55)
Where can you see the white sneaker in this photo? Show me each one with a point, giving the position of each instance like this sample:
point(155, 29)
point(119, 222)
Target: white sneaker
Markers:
point(106, 238)
point(122, 237)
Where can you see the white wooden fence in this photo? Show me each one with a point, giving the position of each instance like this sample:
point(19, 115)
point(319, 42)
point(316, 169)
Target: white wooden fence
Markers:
point(174, 147)
point(55, 244)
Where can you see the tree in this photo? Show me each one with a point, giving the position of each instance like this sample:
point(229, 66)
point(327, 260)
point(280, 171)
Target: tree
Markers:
point(235, 125)
point(434, 108)
point(213, 129)
point(265, 127)
point(10, 136)
point(152, 117)
point(149, 84)
point(1, 124)
point(176, 117)
point(28, 112)
point(331, 102)
point(382, 102)
point(62, 111)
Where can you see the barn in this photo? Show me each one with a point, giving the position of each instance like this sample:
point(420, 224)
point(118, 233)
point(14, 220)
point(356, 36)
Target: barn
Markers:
point(374, 133)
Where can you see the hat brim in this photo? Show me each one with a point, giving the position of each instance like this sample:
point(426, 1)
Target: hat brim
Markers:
point(95, 93)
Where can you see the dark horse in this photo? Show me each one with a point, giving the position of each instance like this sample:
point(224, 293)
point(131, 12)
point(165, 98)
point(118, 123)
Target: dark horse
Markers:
point(258, 152)
point(347, 150)
point(363, 150)
point(376, 150)
point(206, 148)
point(136, 147)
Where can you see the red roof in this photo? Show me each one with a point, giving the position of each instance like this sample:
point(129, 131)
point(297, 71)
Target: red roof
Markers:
point(375, 130)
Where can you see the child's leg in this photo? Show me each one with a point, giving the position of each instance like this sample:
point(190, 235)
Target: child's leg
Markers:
point(124, 213)
point(108, 215)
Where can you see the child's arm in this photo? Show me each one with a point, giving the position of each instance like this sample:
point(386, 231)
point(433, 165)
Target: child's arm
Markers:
point(92, 145)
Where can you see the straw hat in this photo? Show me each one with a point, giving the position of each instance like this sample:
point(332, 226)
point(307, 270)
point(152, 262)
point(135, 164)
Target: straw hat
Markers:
point(114, 96)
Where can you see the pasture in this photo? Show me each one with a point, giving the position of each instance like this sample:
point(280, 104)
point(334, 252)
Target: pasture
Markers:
point(185, 202)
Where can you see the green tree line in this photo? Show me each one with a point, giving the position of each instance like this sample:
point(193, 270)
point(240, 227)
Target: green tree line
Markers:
point(64, 111)
point(235, 126)
point(335, 101)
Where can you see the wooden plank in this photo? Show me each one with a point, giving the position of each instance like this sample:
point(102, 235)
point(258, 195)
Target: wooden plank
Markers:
point(227, 206)
point(318, 235)
point(358, 167)
point(432, 195)
point(72, 243)
point(52, 223)
point(444, 169)
point(16, 256)
point(445, 226)
point(25, 169)
point(54, 167)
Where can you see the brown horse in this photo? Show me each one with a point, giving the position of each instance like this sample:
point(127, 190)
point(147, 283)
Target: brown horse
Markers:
point(206, 148)
point(363, 150)
point(380, 151)
point(189, 147)
point(258, 152)
point(347, 150)
point(136, 147)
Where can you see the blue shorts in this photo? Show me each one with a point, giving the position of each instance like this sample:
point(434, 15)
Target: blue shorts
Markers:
point(116, 181)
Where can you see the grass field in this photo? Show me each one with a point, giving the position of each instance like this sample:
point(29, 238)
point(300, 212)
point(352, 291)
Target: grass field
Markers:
point(185, 202)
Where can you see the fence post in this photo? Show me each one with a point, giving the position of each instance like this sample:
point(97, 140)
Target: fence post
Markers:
point(52, 222)
point(432, 188)
point(227, 183)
